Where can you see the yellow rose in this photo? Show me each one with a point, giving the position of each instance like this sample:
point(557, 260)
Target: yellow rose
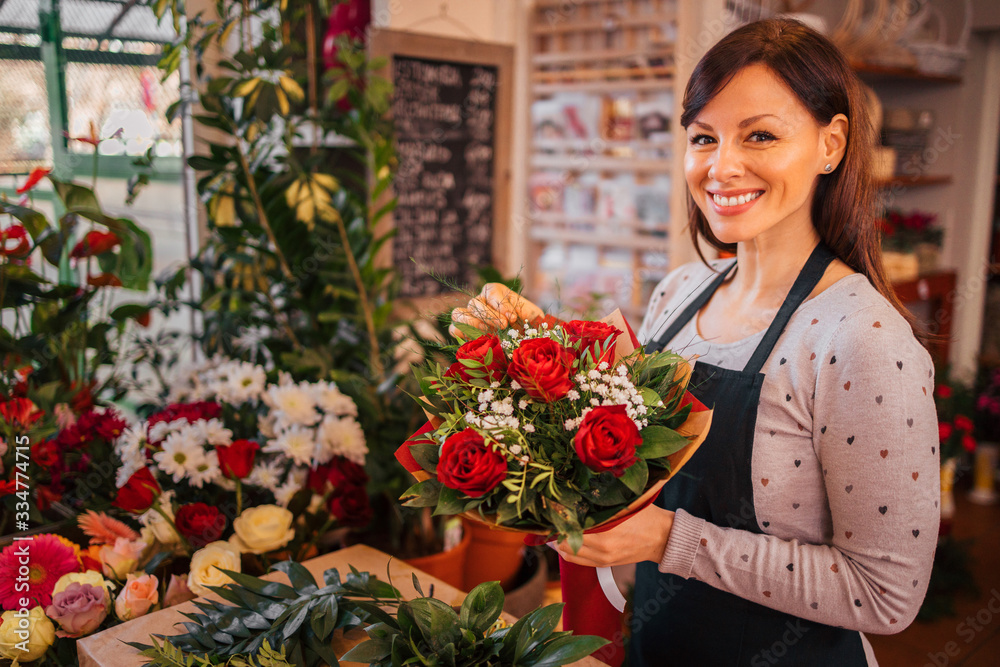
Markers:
point(26, 638)
point(262, 529)
point(92, 577)
point(204, 563)
point(160, 527)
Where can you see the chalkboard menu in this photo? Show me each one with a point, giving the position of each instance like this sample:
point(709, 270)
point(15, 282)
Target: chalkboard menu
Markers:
point(445, 114)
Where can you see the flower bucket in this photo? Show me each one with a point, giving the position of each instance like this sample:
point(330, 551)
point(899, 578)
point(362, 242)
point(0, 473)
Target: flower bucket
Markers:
point(494, 555)
point(448, 566)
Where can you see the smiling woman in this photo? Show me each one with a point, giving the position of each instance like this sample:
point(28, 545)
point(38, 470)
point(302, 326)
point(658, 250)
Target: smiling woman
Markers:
point(808, 515)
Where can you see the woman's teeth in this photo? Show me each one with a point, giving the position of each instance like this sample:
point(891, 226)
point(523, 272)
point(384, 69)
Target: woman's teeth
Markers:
point(736, 201)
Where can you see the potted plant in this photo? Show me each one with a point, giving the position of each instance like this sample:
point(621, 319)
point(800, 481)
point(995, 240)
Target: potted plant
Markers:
point(911, 243)
point(987, 420)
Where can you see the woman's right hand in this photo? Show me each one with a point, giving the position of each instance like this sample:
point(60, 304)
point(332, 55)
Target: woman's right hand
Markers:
point(496, 307)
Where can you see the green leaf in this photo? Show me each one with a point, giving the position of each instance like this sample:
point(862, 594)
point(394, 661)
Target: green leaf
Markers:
point(426, 455)
point(482, 607)
point(301, 578)
point(449, 502)
point(659, 442)
point(422, 494)
point(128, 311)
point(567, 649)
point(635, 476)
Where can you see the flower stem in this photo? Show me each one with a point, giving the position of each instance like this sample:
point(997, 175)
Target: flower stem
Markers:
point(239, 497)
point(173, 526)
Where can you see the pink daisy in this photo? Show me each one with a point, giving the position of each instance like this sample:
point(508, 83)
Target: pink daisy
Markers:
point(47, 558)
point(102, 529)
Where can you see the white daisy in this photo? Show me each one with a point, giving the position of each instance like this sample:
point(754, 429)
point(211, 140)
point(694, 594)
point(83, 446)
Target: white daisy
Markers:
point(242, 383)
point(180, 456)
point(206, 471)
point(161, 430)
point(284, 493)
point(295, 442)
point(343, 437)
point(212, 431)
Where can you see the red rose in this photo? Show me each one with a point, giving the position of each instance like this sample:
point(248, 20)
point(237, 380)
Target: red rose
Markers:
point(139, 492)
point(200, 523)
point(543, 367)
point(968, 443)
point(236, 460)
point(943, 391)
point(944, 431)
point(469, 466)
point(607, 439)
point(336, 474)
point(593, 336)
point(189, 412)
point(350, 506)
point(476, 350)
point(963, 423)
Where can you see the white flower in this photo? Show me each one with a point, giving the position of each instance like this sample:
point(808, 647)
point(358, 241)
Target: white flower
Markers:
point(594, 375)
point(573, 395)
point(244, 382)
point(512, 333)
point(515, 449)
point(130, 447)
point(529, 428)
point(159, 527)
point(486, 396)
point(296, 442)
point(622, 370)
point(332, 401)
point(206, 471)
point(294, 404)
point(343, 437)
point(212, 431)
point(523, 404)
point(284, 493)
point(266, 475)
point(180, 457)
point(160, 430)
point(603, 366)
point(514, 385)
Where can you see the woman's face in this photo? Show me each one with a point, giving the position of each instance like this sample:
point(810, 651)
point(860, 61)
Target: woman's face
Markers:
point(753, 157)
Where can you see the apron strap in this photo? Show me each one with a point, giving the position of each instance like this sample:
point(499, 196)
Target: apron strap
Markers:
point(661, 341)
point(807, 280)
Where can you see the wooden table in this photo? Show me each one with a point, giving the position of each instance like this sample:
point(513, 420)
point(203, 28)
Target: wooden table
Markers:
point(106, 649)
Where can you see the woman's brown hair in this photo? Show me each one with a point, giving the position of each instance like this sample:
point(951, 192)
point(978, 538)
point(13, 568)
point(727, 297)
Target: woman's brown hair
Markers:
point(845, 206)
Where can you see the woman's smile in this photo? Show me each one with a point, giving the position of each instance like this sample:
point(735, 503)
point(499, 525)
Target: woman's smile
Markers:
point(734, 202)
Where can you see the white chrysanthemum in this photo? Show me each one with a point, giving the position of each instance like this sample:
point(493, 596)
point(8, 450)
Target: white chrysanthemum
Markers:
point(206, 471)
point(344, 437)
point(296, 442)
point(212, 431)
point(130, 466)
point(333, 401)
point(266, 475)
point(161, 430)
point(180, 456)
point(294, 405)
point(284, 493)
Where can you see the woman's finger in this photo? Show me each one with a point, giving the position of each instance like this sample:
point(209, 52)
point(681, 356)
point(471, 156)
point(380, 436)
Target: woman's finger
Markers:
point(508, 302)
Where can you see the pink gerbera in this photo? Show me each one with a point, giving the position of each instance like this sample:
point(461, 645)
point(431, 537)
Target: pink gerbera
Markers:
point(47, 559)
point(102, 529)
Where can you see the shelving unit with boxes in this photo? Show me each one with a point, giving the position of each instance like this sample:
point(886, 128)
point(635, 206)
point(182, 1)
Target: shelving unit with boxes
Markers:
point(601, 150)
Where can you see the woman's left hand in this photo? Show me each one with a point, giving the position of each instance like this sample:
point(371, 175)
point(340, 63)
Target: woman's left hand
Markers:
point(642, 537)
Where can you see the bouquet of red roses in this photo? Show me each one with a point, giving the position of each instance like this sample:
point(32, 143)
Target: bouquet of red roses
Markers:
point(552, 428)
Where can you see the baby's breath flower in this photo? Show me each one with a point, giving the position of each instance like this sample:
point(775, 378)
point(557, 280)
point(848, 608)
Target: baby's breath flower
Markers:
point(522, 404)
point(603, 366)
point(594, 375)
point(529, 428)
point(514, 385)
point(573, 395)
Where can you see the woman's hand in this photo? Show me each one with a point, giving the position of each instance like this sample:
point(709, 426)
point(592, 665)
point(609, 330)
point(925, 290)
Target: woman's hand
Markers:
point(640, 538)
point(496, 307)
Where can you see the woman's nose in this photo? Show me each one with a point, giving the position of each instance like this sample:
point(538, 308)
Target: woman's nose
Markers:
point(726, 164)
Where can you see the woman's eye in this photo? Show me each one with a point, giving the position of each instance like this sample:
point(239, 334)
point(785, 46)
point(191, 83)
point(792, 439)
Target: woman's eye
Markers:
point(701, 140)
point(761, 136)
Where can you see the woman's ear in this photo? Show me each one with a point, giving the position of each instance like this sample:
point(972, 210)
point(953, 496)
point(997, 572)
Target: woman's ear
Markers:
point(834, 138)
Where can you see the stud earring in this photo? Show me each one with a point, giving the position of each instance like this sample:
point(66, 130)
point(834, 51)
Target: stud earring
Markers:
point(828, 168)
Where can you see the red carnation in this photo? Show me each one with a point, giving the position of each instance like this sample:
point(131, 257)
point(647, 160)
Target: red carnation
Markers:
point(139, 492)
point(95, 243)
point(236, 460)
point(543, 367)
point(337, 474)
point(200, 523)
point(469, 466)
point(189, 412)
point(350, 506)
point(110, 425)
point(597, 337)
point(607, 440)
point(943, 391)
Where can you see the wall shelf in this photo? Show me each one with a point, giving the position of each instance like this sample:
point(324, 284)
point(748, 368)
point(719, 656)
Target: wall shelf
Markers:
point(915, 182)
point(599, 163)
point(606, 239)
point(871, 72)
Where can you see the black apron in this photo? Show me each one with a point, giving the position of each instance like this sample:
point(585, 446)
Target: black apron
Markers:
point(686, 622)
